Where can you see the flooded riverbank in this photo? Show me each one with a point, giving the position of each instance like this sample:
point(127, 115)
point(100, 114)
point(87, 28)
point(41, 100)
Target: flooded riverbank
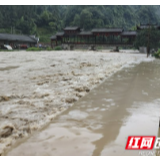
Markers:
point(126, 104)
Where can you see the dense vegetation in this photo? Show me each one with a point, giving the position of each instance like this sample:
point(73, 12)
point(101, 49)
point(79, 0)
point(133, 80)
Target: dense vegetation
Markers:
point(149, 37)
point(44, 21)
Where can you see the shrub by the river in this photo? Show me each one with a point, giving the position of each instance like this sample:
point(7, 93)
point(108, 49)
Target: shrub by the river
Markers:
point(157, 54)
point(34, 49)
point(58, 48)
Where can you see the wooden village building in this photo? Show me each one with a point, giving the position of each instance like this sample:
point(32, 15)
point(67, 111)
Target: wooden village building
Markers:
point(108, 36)
point(17, 40)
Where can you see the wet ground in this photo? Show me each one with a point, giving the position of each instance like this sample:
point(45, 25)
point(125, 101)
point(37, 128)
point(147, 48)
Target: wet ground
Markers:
point(99, 123)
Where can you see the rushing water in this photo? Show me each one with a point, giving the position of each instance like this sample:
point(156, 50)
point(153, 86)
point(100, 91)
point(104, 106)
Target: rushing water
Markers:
point(128, 103)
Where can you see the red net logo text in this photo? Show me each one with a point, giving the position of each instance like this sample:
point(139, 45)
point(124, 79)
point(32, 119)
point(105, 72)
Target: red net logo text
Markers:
point(142, 143)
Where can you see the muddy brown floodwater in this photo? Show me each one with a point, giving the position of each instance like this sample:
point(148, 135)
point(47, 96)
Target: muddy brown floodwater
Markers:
point(127, 103)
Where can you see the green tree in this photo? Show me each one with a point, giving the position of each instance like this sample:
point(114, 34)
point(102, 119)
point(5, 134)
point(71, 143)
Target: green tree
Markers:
point(52, 26)
point(146, 14)
point(1, 20)
point(27, 26)
point(149, 38)
point(76, 21)
point(86, 19)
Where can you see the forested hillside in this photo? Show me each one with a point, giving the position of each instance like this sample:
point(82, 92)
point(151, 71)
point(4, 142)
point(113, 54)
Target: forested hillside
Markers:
point(47, 20)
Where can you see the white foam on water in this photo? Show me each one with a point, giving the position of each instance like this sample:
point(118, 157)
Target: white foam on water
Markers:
point(108, 100)
point(89, 110)
point(95, 126)
point(113, 104)
point(78, 115)
point(95, 109)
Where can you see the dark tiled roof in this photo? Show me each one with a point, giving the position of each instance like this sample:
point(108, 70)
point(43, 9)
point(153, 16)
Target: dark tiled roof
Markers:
point(99, 30)
point(88, 33)
point(53, 37)
point(107, 30)
point(129, 33)
point(19, 38)
point(59, 33)
point(71, 28)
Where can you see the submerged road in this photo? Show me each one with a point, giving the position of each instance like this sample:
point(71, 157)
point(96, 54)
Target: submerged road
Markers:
point(128, 103)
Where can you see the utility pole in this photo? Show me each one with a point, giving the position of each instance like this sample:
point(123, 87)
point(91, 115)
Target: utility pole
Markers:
point(13, 30)
point(148, 44)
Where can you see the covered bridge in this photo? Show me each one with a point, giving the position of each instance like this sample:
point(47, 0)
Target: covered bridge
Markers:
point(110, 36)
point(129, 35)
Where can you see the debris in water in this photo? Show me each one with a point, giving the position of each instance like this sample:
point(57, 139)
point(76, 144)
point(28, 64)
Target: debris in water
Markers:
point(73, 73)
point(53, 65)
point(85, 64)
point(82, 89)
point(71, 100)
point(26, 129)
point(4, 98)
point(6, 131)
point(66, 79)
point(79, 95)
point(41, 83)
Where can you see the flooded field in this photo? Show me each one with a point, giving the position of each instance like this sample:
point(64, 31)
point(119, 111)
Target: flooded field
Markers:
point(125, 104)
